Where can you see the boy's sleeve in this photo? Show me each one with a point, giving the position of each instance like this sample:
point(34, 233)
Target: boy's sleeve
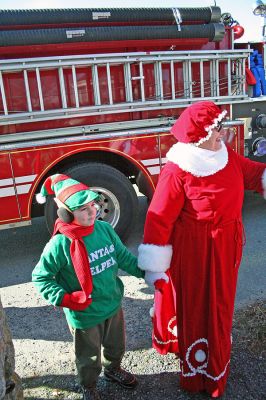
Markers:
point(43, 275)
point(126, 260)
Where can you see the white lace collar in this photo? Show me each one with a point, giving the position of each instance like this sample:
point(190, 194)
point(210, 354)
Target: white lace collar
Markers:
point(198, 161)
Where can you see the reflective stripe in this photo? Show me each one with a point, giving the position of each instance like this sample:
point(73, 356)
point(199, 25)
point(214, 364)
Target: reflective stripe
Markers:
point(6, 182)
point(21, 189)
point(154, 161)
point(20, 179)
point(151, 161)
point(24, 179)
point(154, 170)
point(10, 191)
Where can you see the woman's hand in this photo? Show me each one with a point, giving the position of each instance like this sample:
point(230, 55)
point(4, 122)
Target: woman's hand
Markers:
point(152, 277)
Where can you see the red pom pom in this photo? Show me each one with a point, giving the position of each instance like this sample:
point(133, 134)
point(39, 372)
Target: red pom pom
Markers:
point(238, 31)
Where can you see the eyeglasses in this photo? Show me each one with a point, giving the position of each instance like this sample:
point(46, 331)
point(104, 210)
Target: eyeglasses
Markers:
point(219, 127)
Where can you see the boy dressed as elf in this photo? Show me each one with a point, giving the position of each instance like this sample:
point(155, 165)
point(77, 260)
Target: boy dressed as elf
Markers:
point(78, 271)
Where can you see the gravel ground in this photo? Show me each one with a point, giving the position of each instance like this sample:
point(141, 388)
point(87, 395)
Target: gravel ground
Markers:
point(45, 362)
point(43, 343)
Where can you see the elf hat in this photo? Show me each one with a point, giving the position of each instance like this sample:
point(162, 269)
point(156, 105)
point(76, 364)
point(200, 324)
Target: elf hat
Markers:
point(196, 123)
point(68, 191)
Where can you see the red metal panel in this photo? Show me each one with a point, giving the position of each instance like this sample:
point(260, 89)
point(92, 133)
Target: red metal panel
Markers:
point(51, 96)
point(166, 77)
point(103, 86)
point(85, 87)
point(149, 81)
point(179, 80)
point(15, 92)
point(39, 161)
point(118, 84)
point(136, 86)
point(235, 138)
point(166, 141)
point(117, 46)
point(8, 202)
point(35, 102)
point(69, 86)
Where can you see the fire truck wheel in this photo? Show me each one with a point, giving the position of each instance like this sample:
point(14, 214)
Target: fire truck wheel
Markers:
point(119, 202)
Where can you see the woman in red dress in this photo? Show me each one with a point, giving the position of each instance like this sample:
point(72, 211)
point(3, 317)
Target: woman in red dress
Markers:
point(194, 226)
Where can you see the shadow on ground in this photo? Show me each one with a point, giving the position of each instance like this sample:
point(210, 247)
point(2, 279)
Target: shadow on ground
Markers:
point(241, 384)
point(49, 323)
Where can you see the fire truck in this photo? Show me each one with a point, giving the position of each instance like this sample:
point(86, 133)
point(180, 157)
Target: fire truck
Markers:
point(93, 93)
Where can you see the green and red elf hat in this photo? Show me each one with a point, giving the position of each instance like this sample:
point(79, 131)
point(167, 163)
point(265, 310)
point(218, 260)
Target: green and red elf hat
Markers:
point(72, 195)
point(68, 191)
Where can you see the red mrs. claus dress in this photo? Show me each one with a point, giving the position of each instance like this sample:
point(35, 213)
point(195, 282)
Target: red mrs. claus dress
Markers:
point(194, 225)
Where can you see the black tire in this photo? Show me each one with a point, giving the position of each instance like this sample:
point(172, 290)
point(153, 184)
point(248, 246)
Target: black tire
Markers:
point(119, 196)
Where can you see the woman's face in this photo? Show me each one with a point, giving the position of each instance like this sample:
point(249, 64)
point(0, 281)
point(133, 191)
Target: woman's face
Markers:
point(85, 215)
point(214, 143)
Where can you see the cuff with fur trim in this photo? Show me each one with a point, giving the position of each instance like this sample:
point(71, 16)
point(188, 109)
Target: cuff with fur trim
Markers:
point(154, 258)
point(264, 184)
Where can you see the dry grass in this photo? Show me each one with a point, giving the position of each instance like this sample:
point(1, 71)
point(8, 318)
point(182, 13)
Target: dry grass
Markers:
point(249, 328)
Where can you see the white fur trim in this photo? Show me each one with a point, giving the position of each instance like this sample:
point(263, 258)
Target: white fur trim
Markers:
point(40, 198)
point(198, 161)
point(172, 327)
point(201, 369)
point(264, 184)
point(154, 258)
point(152, 311)
point(209, 129)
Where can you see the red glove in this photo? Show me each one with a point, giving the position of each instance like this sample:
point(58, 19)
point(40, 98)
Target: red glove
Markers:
point(71, 301)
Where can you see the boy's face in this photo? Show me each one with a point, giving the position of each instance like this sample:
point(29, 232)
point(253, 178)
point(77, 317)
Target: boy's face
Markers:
point(86, 214)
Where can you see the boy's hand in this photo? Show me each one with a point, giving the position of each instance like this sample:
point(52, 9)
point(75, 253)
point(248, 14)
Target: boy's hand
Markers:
point(152, 277)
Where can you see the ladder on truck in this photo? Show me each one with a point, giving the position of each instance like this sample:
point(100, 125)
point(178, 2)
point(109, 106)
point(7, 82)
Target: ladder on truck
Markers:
point(147, 81)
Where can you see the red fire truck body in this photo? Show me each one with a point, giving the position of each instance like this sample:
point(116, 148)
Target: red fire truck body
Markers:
point(101, 111)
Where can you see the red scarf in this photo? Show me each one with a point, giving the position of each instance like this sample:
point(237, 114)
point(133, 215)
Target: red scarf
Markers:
point(79, 257)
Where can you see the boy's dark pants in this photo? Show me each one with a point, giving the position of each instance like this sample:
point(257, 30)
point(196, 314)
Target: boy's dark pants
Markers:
point(88, 344)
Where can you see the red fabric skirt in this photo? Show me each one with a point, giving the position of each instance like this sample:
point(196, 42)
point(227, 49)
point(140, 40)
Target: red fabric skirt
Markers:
point(194, 311)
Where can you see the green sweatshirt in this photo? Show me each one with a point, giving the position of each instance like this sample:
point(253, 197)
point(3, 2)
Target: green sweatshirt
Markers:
point(54, 274)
